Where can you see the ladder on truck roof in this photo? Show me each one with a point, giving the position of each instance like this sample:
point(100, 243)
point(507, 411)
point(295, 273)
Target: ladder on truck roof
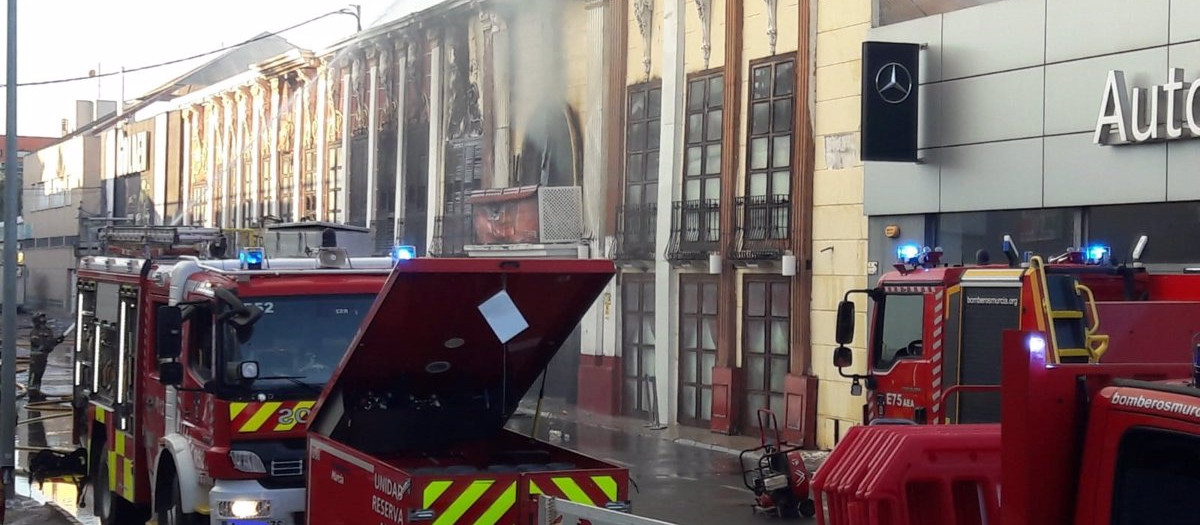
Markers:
point(147, 241)
point(557, 511)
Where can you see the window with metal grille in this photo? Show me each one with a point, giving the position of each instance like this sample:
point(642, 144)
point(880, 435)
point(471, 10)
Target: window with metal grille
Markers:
point(286, 186)
point(308, 186)
point(334, 177)
point(767, 205)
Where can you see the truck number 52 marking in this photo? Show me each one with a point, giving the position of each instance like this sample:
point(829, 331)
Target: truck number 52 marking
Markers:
point(289, 416)
point(267, 308)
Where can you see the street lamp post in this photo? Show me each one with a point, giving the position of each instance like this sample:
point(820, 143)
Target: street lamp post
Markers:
point(12, 188)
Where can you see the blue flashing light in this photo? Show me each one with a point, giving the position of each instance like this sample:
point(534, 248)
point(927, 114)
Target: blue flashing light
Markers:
point(403, 253)
point(252, 258)
point(1097, 253)
point(907, 252)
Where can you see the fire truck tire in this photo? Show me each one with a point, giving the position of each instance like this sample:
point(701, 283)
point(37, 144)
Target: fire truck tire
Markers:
point(111, 508)
point(808, 508)
point(170, 506)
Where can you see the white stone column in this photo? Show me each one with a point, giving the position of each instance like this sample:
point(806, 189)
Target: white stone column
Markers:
point(372, 138)
point(256, 108)
point(271, 205)
point(666, 291)
point(436, 147)
point(322, 142)
point(401, 125)
point(298, 123)
point(239, 171)
point(187, 128)
point(502, 101)
point(230, 192)
point(594, 168)
point(210, 140)
point(159, 158)
point(344, 170)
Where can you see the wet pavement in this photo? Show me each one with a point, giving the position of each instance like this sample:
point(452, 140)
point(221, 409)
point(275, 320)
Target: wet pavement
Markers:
point(673, 482)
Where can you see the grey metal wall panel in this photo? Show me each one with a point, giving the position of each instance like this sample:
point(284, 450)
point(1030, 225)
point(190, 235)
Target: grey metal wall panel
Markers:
point(1186, 56)
point(929, 120)
point(926, 30)
point(893, 188)
point(992, 176)
point(1085, 28)
point(1074, 89)
point(992, 107)
point(1079, 172)
point(976, 37)
point(1183, 170)
point(1184, 14)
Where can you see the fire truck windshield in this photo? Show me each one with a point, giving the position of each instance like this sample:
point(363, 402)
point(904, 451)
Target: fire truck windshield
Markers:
point(899, 332)
point(299, 338)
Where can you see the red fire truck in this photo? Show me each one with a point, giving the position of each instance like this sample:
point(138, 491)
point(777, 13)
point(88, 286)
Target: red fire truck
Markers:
point(195, 377)
point(933, 352)
point(1079, 443)
point(410, 429)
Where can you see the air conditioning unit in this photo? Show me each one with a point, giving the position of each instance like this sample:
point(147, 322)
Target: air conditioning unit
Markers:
point(527, 215)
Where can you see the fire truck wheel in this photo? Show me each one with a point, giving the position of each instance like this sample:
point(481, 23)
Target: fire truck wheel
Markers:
point(808, 508)
point(109, 507)
point(170, 506)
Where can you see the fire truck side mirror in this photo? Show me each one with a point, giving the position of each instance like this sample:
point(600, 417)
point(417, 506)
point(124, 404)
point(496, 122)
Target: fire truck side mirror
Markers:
point(843, 357)
point(169, 333)
point(845, 323)
point(170, 373)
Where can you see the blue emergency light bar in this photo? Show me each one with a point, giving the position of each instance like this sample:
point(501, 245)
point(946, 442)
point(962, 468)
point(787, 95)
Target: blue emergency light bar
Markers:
point(252, 258)
point(403, 253)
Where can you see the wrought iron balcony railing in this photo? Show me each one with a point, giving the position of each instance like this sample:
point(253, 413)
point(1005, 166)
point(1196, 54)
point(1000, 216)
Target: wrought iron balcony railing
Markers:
point(763, 226)
point(453, 233)
point(695, 229)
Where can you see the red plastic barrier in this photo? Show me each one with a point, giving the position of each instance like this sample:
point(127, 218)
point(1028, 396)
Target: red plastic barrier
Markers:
point(911, 475)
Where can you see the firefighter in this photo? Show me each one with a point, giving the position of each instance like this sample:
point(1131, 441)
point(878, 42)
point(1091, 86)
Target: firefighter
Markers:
point(41, 342)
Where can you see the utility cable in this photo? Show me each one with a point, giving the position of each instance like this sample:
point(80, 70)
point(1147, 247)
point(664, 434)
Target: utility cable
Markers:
point(180, 60)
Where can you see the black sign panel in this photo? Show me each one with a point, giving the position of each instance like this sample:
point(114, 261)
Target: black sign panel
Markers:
point(890, 86)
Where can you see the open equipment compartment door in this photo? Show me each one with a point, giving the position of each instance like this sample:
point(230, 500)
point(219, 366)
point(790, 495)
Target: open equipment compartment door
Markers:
point(418, 405)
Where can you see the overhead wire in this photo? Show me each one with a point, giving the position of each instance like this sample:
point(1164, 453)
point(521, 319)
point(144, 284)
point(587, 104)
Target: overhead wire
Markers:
point(180, 60)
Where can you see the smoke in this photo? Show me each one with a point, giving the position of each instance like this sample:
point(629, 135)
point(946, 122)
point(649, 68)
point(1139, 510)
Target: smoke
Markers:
point(537, 83)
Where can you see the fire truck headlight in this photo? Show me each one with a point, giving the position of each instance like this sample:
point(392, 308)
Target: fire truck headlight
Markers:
point(244, 508)
point(247, 461)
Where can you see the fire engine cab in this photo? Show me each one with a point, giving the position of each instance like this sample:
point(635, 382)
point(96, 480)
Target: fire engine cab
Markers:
point(933, 352)
point(195, 373)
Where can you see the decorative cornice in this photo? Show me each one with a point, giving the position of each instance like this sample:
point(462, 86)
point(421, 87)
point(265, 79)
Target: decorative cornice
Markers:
point(772, 23)
point(643, 12)
point(704, 8)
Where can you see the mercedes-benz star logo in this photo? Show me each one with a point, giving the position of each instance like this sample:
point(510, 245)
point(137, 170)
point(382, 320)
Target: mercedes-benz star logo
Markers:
point(893, 83)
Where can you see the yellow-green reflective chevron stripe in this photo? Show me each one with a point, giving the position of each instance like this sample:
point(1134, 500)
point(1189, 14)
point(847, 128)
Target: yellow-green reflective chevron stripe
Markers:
point(235, 409)
point(534, 488)
point(500, 507)
point(608, 485)
point(260, 417)
point(572, 491)
point(127, 490)
point(434, 490)
point(464, 502)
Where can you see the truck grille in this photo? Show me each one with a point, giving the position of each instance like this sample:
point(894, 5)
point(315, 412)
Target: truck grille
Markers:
point(293, 467)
